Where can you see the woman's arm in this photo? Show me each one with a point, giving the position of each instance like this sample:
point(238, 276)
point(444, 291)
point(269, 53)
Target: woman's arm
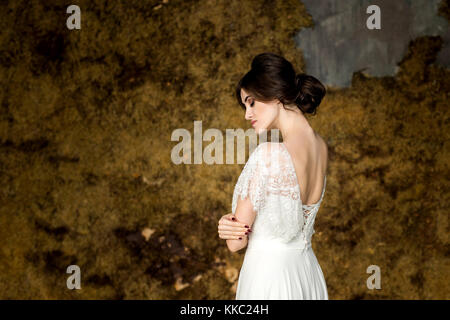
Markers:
point(244, 213)
point(249, 192)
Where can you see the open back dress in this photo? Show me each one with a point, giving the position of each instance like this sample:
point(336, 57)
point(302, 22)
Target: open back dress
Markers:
point(279, 262)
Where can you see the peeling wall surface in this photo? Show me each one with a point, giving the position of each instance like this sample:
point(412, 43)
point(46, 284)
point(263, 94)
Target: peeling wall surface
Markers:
point(340, 43)
point(87, 117)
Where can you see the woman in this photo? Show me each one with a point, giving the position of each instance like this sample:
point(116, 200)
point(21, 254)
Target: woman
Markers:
point(281, 187)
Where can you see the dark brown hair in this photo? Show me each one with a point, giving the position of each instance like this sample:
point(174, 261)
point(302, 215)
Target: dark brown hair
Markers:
point(272, 77)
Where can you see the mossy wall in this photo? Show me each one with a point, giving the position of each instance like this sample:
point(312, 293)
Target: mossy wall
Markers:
point(85, 164)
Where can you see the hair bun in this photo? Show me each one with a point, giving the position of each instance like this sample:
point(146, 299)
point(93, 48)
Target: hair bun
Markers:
point(310, 92)
point(299, 78)
point(272, 77)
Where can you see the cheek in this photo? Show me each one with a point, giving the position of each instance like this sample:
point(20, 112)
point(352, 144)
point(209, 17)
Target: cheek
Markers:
point(269, 115)
point(265, 113)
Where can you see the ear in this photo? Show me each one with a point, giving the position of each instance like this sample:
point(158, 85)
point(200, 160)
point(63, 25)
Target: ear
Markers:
point(279, 104)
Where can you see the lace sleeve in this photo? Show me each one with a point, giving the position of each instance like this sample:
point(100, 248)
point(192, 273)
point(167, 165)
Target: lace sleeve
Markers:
point(252, 181)
point(269, 179)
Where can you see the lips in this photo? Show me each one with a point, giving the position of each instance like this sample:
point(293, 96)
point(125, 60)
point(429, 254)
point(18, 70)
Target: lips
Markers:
point(253, 122)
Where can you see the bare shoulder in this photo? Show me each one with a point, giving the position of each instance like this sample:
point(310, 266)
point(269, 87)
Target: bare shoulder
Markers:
point(323, 143)
point(323, 146)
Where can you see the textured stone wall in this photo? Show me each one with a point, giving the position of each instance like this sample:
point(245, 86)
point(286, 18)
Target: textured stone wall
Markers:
point(340, 42)
point(86, 118)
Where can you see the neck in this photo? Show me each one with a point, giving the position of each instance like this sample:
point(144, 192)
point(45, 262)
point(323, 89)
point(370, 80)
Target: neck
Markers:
point(293, 124)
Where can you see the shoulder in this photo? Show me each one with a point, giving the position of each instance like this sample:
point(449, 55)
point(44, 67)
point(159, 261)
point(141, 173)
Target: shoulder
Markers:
point(322, 140)
point(323, 148)
point(266, 150)
point(323, 144)
point(269, 154)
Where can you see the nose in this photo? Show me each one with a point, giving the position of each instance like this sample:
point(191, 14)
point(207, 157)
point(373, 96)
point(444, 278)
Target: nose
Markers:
point(248, 114)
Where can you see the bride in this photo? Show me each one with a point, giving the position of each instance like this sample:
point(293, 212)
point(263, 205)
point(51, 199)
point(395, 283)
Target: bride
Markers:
point(279, 192)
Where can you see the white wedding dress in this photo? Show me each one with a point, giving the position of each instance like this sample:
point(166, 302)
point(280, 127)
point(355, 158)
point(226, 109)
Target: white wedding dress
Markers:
point(279, 262)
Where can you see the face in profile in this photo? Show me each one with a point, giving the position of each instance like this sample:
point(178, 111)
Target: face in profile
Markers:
point(262, 115)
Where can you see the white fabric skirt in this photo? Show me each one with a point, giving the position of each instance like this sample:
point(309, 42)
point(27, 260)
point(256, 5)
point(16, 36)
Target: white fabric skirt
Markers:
point(280, 272)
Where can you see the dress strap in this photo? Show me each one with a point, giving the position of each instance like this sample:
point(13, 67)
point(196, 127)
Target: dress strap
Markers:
point(324, 185)
point(312, 206)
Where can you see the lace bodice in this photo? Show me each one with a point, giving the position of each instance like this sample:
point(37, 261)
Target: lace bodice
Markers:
point(270, 181)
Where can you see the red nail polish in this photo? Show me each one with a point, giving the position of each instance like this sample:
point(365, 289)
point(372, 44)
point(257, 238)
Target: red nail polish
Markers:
point(240, 238)
point(233, 219)
point(247, 226)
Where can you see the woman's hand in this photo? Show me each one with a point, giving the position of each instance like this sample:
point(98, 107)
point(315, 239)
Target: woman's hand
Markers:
point(231, 229)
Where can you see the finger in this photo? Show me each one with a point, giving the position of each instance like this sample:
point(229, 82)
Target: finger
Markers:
point(233, 233)
point(233, 237)
point(234, 223)
point(232, 229)
point(227, 216)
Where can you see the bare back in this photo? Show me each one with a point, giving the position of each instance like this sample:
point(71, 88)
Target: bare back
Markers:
point(310, 159)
